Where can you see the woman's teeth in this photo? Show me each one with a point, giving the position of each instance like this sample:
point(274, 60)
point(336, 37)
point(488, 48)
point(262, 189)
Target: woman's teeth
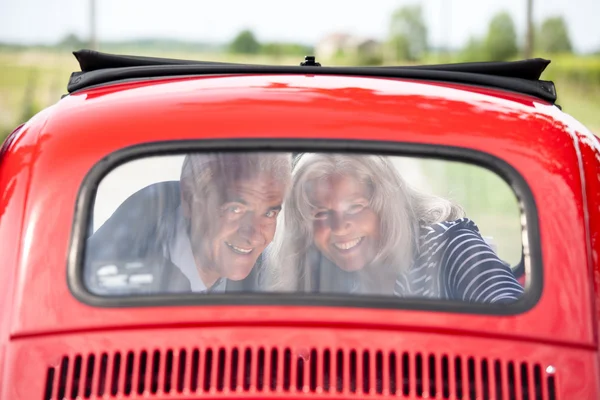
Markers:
point(348, 245)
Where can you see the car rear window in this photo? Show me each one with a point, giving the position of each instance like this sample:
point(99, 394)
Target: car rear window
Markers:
point(309, 225)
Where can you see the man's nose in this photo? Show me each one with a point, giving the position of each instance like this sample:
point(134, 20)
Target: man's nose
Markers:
point(250, 229)
point(339, 223)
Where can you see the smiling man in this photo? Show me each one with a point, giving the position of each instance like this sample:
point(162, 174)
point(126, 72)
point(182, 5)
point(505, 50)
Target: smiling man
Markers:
point(205, 232)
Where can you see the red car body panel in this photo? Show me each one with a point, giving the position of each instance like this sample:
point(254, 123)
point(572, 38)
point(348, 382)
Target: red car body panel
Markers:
point(522, 357)
point(49, 158)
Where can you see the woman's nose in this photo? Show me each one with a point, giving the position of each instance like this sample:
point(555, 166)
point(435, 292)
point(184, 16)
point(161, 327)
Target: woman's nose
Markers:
point(339, 223)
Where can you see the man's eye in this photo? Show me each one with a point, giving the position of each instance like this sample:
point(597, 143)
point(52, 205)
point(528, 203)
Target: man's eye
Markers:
point(271, 214)
point(235, 210)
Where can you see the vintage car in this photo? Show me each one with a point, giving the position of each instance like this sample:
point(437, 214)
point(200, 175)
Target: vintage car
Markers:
point(328, 264)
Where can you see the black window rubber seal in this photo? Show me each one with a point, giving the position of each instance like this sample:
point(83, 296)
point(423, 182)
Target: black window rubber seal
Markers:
point(88, 189)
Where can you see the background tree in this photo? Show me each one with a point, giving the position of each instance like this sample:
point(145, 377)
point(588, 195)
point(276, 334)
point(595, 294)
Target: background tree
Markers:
point(474, 51)
point(553, 36)
point(408, 33)
point(501, 39)
point(245, 43)
point(279, 49)
point(72, 42)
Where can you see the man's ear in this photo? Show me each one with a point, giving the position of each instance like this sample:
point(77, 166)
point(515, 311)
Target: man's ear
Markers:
point(186, 201)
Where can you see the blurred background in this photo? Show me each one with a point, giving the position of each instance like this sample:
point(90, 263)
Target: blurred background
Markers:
point(38, 36)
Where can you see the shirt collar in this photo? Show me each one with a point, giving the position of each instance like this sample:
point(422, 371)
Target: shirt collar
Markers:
point(180, 254)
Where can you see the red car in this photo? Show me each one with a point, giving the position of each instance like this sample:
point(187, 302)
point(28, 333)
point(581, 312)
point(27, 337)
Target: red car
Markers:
point(184, 229)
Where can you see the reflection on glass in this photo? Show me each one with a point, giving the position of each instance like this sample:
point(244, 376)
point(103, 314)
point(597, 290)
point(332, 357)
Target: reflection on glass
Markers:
point(313, 223)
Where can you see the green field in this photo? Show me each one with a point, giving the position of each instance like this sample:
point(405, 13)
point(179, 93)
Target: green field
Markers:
point(577, 82)
point(33, 79)
point(582, 102)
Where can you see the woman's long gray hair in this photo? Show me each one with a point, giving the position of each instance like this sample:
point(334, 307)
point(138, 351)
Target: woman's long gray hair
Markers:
point(400, 209)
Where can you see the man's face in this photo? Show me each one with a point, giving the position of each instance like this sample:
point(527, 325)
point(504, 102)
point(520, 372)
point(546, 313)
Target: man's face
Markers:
point(231, 237)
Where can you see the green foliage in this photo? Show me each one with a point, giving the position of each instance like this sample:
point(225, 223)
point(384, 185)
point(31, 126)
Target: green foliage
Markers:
point(501, 39)
point(6, 47)
point(245, 43)
point(30, 104)
point(276, 49)
point(577, 81)
point(474, 51)
point(156, 46)
point(576, 70)
point(4, 132)
point(369, 59)
point(553, 36)
point(408, 33)
point(72, 42)
point(400, 47)
point(30, 109)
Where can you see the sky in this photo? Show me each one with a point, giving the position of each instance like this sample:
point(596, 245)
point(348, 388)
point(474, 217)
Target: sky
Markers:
point(450, 22)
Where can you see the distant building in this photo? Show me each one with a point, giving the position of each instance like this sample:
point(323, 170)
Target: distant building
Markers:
point(331, 45)
point(348, 45)
point(364, 47)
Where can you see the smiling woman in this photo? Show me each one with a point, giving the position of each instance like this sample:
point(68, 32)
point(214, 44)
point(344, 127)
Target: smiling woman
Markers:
point(353, 225)
point(334, 223)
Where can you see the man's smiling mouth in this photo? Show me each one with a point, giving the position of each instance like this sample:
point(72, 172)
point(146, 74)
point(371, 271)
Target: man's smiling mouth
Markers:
point(240, 250)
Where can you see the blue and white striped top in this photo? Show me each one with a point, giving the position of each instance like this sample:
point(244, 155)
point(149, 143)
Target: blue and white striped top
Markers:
point(455, 263)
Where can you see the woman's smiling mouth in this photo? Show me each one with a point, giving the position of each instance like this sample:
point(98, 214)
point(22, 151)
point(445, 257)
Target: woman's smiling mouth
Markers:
point(239, 250)
point(350, 244)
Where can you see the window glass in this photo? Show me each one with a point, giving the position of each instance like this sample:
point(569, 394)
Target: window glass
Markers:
point(348, 224)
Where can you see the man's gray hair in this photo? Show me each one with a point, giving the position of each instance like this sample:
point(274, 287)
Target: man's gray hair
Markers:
point(202, 172)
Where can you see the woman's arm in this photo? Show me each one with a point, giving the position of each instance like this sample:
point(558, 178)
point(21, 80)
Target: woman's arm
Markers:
point(471, 269)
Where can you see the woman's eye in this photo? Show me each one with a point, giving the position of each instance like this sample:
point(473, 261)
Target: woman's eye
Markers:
point(321, 215)
point(355, 208)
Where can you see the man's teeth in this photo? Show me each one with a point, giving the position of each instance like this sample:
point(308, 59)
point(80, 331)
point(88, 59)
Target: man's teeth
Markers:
point(348, 245)
point(239, 249)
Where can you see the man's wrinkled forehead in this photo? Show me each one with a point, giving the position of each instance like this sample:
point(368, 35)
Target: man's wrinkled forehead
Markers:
point(224, 169)
point(260, 190)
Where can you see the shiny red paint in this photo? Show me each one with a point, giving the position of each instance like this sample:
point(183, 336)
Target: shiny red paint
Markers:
point(48, 352)
point(46, 164)
point(589, 147)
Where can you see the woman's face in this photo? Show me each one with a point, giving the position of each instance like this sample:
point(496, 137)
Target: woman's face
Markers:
point(346, 229)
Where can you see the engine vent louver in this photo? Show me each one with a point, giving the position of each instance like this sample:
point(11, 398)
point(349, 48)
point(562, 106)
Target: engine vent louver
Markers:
point(360, 373)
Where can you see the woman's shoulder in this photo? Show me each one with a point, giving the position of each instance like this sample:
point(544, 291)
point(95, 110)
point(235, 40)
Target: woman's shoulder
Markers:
point(444, 229)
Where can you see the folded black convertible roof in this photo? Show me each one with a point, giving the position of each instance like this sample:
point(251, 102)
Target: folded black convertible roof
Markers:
point(517, 76)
